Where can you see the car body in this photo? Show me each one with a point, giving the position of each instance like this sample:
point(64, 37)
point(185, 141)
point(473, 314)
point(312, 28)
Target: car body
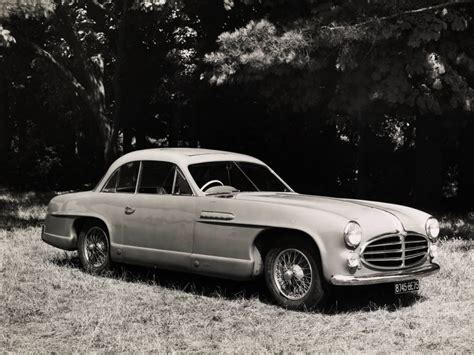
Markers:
point(227, 233)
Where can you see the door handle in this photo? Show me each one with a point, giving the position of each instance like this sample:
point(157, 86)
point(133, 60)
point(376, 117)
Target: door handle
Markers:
point(129, 210)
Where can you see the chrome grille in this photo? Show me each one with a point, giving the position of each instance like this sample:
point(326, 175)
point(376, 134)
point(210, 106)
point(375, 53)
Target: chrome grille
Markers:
point(395, 251)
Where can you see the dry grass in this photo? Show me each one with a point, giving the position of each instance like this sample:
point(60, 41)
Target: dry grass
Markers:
point(48, 304)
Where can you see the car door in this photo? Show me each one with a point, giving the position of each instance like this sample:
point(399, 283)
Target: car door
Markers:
point(113, 200)
point(159, 218)
point(223, 238)
point(222, 235)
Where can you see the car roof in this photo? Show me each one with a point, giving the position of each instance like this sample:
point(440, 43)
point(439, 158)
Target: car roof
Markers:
point(184, 156)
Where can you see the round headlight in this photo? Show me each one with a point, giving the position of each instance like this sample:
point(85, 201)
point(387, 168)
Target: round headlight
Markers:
point(352, 234)
point(432, 228)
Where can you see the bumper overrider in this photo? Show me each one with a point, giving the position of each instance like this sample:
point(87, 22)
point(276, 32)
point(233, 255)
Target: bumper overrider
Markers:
point(386, 277)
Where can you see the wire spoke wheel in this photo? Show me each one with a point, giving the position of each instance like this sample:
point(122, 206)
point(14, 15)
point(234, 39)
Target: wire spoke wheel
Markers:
point(95, 247)
point(293, 274)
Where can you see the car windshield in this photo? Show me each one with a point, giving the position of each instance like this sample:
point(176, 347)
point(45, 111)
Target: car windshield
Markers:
point(242, 176)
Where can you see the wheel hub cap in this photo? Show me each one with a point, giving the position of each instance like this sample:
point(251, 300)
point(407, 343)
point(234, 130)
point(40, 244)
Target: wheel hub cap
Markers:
point(288, 275)
point(298, 272)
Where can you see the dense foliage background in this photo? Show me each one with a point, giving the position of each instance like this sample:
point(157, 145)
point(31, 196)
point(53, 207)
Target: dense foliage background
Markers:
point(357, 98)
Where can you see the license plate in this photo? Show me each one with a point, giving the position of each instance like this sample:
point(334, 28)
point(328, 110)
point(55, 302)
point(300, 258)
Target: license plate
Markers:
point(407, 286)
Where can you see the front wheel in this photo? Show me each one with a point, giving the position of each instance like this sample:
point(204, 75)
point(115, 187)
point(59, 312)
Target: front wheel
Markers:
point(292, 275)
point(93, 248)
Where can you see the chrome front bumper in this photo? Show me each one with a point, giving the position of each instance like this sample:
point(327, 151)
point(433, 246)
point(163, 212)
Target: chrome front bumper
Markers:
point(386, 277)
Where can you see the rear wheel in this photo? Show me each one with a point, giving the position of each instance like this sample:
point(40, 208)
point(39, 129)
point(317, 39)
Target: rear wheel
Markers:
point(293, 277)
point(94, 247)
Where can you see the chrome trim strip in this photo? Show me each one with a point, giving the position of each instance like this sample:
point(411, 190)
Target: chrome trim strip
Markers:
point(400, 258)
point(223, 216)
point(139, 177)
point(384, 244)
point(382, 252)
point(402, 275)
point(421, 247)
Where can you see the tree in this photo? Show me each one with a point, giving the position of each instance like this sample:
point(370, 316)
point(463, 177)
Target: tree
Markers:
point(6, 40)
point(81, 69)
point(130, 66)
point(388, 57)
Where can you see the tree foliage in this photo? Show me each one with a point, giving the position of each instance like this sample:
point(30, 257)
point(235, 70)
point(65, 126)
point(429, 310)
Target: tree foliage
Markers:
point(409, 58)
point(362, 61)
point(374, 83)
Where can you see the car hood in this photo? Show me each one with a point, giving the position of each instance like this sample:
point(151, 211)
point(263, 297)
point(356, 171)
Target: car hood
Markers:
point(376, 216)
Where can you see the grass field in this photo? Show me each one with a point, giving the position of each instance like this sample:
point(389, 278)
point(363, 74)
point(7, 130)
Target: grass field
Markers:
point(48, 304)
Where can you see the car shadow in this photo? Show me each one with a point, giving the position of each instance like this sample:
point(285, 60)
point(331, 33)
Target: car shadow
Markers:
point(187, 282)
point(342, 299)
point(369, 298)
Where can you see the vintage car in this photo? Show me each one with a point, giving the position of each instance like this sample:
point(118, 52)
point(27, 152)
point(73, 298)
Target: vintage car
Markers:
point(229, 215)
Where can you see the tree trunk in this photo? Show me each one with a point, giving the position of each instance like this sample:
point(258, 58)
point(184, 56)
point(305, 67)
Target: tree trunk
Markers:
point(96, 102)
point(88, 81)
point(428, 177)
point(4, 129)
point(119, 118)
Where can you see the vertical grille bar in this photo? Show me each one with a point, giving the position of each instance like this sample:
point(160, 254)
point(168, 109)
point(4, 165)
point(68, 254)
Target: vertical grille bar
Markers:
point(403, 250)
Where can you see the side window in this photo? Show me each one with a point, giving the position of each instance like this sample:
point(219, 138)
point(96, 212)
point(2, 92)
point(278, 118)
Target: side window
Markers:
point(127, 178)
point(156, 178)
point(181, 186)
point(112, 183)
